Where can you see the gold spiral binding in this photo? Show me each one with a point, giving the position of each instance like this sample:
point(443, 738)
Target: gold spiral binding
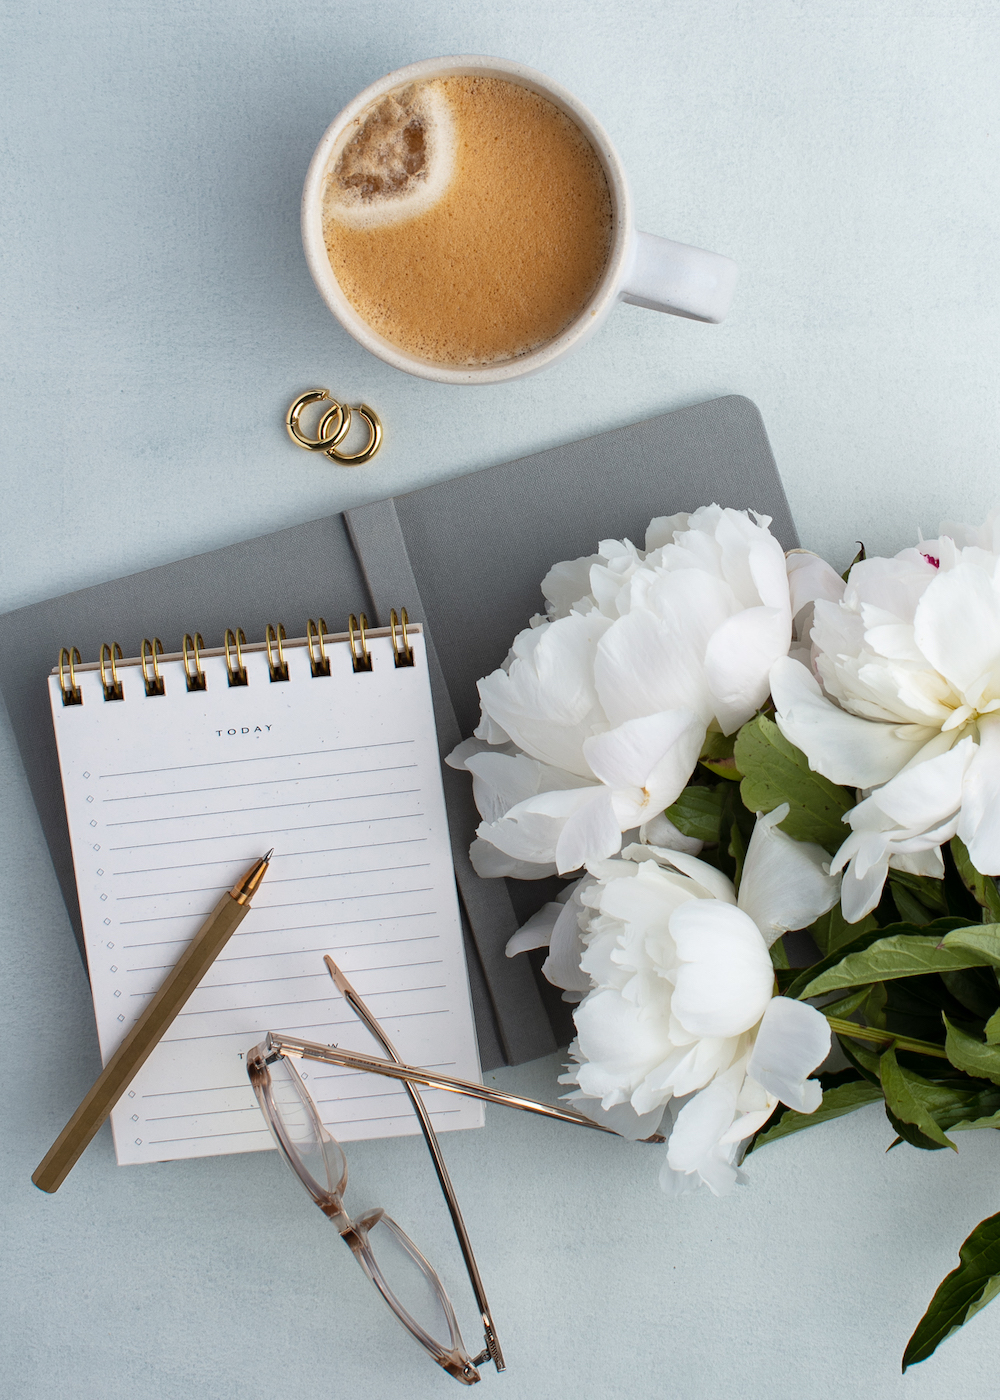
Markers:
point(278, 667)
point(235, 640)
point(360, 655)
point(195, 678)
point(68, 658)
point(403, 652)
point(148, 659)
point(319, 662)
point(111, 654)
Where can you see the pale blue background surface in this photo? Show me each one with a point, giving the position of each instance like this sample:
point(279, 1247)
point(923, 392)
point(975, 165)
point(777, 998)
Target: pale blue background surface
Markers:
point(160, 318)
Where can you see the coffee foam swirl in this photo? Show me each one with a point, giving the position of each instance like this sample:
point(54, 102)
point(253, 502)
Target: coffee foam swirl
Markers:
point(398, 163)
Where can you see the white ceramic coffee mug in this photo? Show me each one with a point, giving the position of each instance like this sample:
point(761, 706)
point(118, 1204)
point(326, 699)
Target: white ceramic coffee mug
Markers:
point(642, 268)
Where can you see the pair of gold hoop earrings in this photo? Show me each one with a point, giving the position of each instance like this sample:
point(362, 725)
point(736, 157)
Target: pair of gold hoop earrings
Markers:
point(334, 426)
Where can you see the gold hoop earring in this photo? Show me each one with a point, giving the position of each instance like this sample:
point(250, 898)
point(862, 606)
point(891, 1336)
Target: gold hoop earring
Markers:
point(354, 459)
point(333, 425)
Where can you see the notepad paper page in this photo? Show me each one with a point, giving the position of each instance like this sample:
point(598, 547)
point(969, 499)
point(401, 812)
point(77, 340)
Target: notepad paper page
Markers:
point(171, 798)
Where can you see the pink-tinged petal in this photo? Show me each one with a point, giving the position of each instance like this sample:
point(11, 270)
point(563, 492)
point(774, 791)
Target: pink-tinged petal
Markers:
point(811, 578)
point(979, 822)
point(957, 624)
point(845, 749)
point(792, 1041)
point(725, 977)
point(786, 883)
point(738, 662)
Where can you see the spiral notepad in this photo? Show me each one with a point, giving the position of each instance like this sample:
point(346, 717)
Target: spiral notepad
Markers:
point(178, 770)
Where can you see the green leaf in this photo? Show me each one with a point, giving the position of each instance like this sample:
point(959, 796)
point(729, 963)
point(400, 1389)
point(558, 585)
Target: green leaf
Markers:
point(908, 1101)
point(717, 756)
point(928, 890)
point(845, 1006)
point(864, 1061)
point(965, 1124)
point(836, 1102)
point(961, 1295)
point(738, 851)
point(698, 812)
point(975, 988)
point(899, 955)
point(982, 887)
point(863, 941)
point(993, 1029)
point(971, 1055)
point(856, 560)
point(832, 931)
point(779, 955)
point(775, 771)
point(918, 898)
point(980, 939)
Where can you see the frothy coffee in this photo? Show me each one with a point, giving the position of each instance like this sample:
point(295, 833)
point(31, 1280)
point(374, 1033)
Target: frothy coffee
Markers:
point(467, 219)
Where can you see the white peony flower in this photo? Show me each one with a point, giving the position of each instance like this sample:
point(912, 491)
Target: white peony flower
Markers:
point(595, 722)
point(677, 995)
point(906, 707)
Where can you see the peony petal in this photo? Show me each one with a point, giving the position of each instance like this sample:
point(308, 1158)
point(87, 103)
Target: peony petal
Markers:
point(711, 880)
point(537, 932)
point(792, 1041)
point(786, 883)
point(648, 759)
point(566, 947)
point(925, 794)
point(810, 578)
point(490, 863)
point(531, 830)
point(957, 624)
point(738, 661)
point(979, 822)
point(619, 1045)
point(725, 978)
point(844, 748)
point(695, 1144)
point(590, 832)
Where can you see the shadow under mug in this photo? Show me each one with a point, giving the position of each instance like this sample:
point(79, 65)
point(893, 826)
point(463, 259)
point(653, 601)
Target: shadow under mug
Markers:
point(642, 268)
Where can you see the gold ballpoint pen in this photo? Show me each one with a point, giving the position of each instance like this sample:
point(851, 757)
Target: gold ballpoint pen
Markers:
point(150, 1028)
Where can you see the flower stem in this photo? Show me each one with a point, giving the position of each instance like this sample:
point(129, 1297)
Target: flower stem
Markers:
point(899, 1042)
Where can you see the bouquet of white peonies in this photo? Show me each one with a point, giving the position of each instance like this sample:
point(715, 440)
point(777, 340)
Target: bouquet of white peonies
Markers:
point(716, 744)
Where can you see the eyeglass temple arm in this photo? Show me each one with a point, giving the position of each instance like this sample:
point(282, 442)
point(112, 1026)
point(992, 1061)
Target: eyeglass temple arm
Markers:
point(409, 1074)
point(359, 1008)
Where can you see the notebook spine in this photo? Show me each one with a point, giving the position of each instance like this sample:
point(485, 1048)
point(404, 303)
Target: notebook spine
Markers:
point(235, 640)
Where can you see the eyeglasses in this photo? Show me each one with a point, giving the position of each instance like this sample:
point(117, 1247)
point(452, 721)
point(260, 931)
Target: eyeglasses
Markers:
point(407, 1282)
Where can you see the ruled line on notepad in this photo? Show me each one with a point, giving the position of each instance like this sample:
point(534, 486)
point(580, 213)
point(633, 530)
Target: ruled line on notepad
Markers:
point(288, 855)
point(301, 928)
point(258, 758)
point(342, 1122)
point(259, 782)
point(289, 880)
point(268, 831)
point(309, 1026)
point(288, 904)
point(276, 1005)
point(268, 807)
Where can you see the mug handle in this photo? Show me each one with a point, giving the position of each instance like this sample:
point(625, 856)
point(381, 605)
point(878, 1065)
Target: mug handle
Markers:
point(684, 281)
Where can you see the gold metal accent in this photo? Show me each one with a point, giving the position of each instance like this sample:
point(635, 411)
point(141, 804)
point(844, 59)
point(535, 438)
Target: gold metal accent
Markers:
point(354, 459)
point(236, 640)
point(332, 430)
point(333, 419)
point(360, 655)
point(319, 662)
point(402, 651)
point(71, 694)
point(141, 1040)
point(248, 885)
point(196, 678)
point(278, 667)
point(111, 654)
point(151, 666)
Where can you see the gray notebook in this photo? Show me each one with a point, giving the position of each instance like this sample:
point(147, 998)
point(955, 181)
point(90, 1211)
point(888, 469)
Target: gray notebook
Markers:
point(464, 557)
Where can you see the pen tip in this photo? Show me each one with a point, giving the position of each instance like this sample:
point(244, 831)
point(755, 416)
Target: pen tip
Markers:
point(269, 854)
